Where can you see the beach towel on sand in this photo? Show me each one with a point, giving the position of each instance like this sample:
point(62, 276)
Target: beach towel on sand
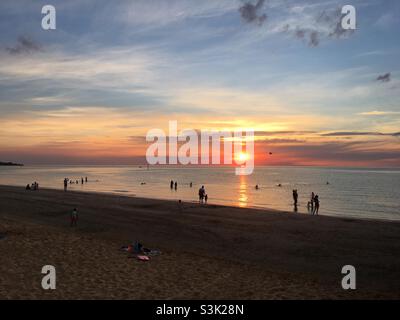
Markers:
point(143, 258)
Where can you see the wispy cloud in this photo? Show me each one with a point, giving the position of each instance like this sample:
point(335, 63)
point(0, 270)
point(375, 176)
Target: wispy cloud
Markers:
point(356, 133)
point(316, 26)
point(386, 20)
point(24, 45)
point(380, 113)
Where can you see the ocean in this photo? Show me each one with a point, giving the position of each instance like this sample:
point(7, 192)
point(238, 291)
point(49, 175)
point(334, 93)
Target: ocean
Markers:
point(351, 192)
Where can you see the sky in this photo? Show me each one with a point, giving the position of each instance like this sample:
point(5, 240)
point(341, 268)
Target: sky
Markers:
point(89, 91)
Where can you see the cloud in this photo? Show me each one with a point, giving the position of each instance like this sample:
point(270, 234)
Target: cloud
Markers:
point(301, 34)
point(343, 152)
point(356, 133)
point(386, 21)
point(373, 53)
point(325, 24)
point(334, 20)
point(314, 39)
point(24, 45)
point(385, 78)
point(160, 13)
point(283, 141)
point(250, 13)
point(379, 113)
point(286, 132)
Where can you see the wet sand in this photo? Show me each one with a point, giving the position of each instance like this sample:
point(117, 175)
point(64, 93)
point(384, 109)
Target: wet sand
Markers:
point(208, 252)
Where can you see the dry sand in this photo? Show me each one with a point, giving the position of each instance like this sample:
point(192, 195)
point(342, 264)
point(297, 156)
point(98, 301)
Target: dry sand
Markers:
point(208, 252)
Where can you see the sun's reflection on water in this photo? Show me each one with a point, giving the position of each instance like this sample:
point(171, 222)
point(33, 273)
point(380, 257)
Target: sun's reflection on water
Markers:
point(243, 197)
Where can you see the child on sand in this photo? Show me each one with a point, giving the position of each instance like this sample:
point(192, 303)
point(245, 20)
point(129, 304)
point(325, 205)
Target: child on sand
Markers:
point(74, 218)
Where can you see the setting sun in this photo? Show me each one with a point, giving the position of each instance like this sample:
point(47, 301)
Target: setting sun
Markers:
point(242, 157)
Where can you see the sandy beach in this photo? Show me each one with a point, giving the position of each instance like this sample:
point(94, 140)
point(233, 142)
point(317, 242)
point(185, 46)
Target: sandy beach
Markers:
point(208, 252)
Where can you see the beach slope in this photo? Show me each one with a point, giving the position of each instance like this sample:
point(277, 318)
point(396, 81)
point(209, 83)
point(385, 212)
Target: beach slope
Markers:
point(208, 252)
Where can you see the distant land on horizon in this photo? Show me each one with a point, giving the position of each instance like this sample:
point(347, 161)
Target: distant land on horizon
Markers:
point(11, 164)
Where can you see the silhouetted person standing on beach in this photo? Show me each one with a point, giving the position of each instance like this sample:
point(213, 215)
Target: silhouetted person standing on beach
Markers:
point(176, 185)
point(172, 184)
point(316, 205)
point(295, 197)
point(202, 193)
point(82, 180)
point(85, 179)
point(312, 201)
point(65, 184)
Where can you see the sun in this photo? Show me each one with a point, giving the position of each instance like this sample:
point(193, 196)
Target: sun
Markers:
point(242, 157)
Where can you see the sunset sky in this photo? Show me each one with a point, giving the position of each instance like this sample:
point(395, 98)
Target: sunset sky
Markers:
point(89, 91)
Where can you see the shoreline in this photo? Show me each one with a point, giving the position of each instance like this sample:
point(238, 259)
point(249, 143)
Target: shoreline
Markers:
point(249, 207)
point(208, 252)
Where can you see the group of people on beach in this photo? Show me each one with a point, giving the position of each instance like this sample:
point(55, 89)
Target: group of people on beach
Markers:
point(203, 196)
point(70, 181)
point(174, 185)
point(34, 186)
point(312, 205)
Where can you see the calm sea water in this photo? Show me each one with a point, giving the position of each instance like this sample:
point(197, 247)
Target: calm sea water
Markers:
point(362, 193)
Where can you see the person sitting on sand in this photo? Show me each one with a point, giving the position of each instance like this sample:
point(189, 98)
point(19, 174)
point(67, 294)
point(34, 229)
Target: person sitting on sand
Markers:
point(74, 218)
point(257, 187)
point(138, 247)
point(28, 187)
